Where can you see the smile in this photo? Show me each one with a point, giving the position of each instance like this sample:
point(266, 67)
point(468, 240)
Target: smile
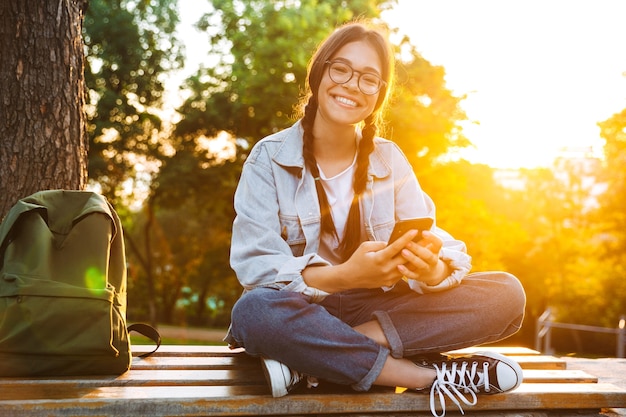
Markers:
point(346, 101)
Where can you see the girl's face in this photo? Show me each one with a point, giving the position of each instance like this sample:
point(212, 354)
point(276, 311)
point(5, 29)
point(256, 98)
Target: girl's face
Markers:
point(346, 104)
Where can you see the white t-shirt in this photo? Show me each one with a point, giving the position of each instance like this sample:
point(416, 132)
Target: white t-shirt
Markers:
point(340, 192)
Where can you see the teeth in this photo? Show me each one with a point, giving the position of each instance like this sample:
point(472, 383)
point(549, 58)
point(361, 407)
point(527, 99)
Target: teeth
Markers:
point(346, 101)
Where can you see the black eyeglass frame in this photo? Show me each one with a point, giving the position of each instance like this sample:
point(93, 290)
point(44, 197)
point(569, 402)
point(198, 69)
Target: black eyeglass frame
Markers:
point(382, 83)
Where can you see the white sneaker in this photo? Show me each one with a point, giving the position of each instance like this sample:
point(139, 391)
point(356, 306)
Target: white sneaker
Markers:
point(280, 378)
point(479, 373)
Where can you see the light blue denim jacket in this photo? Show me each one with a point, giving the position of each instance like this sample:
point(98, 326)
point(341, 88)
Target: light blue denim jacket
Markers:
point(276, 232)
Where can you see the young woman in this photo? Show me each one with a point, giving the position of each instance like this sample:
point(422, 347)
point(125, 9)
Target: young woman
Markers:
point(325, 295)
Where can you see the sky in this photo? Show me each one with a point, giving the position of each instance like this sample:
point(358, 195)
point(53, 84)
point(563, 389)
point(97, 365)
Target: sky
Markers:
point(538, 74)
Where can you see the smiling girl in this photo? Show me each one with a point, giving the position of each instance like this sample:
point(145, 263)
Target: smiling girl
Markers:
point(326, 297)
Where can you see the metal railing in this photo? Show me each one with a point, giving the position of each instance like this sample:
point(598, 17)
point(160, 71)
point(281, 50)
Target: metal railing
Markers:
point(545, 324)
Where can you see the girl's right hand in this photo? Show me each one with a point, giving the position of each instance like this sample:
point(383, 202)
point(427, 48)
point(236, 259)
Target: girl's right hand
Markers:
point(373, 265)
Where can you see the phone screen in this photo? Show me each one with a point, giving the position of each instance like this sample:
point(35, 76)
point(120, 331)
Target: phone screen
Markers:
point(403, 226)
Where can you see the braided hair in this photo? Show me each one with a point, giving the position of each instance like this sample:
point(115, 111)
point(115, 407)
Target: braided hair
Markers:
point(348, 33)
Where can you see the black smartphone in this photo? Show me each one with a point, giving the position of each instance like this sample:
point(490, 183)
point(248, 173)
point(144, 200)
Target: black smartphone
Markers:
point(403, 226)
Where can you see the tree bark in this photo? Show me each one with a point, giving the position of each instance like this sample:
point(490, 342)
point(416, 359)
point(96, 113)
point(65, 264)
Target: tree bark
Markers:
point(43, 141)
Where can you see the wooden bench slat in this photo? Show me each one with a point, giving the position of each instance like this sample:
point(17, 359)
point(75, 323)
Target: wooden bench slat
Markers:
point(222, 401)
point(241, 360)
point(147, 378)
point(195, 362)
point(217, 350)
point(540, 362)
point(573, 376)
point(236, 377)
point(186, 350)
point(503, 350)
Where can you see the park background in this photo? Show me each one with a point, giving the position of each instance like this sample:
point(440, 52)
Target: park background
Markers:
point(523, 156)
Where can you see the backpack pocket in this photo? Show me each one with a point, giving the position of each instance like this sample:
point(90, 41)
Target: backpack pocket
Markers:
point(49, 319)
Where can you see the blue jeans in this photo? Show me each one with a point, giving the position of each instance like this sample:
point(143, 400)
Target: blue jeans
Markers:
point(319, 339)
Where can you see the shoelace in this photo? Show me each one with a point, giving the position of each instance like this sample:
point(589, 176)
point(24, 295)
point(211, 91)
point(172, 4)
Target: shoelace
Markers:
point(455, 382)
point(312, 382)
point(294, 378)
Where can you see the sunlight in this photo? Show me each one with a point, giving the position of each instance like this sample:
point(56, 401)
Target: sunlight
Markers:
point(538, 75)
point(220, 148)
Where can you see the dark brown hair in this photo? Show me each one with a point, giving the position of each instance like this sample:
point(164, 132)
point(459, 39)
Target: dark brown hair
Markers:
point(377, 38)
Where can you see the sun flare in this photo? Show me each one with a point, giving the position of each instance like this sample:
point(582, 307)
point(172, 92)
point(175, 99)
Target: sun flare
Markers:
point(538, 75)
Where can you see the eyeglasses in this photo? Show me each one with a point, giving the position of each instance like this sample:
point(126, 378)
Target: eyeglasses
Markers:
point(341, 73)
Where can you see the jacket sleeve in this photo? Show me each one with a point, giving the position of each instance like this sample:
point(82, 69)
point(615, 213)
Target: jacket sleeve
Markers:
point(453, 253)
point(260, 256)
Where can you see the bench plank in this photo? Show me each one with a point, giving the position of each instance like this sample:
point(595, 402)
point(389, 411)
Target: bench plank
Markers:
point(147, 378)
point(218, 350)
point(186, 350)
point(251, 400)
point(572, 376)
point(503, 350)
point(195, 362)
point(243, 360)
point(540, 362)
point(231, 377)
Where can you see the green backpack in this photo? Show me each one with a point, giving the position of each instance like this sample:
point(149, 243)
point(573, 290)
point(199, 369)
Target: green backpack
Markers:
point(63, 287)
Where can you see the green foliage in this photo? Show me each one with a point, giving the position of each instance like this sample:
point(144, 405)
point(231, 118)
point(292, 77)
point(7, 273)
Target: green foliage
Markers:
point(129, 45)
point(613, 215)
point(543, 230)
point(472, 206)
point(424, 115)
point(189, 246)
point(183, 243)
point(554, 210)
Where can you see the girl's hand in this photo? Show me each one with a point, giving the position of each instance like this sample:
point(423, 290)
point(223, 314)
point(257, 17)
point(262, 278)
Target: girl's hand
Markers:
point(374, 265)
point(377, 264)
point(422, 260)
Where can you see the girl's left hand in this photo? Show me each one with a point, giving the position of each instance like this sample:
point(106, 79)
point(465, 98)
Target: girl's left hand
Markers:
point(422, 260)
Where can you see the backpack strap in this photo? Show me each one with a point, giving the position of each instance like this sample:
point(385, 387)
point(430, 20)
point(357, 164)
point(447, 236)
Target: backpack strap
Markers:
point(148, 331)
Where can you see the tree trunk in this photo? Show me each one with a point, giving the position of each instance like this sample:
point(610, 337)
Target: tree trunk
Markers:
point(43, 141)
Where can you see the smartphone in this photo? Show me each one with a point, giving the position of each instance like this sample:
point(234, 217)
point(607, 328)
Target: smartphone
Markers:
point(403, 226)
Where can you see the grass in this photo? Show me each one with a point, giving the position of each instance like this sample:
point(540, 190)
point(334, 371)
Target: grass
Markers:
point(172, 335)
point(141, 340)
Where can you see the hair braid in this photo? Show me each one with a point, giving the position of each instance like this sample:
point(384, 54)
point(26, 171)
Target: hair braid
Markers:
point(328, 226)
point(352, 237)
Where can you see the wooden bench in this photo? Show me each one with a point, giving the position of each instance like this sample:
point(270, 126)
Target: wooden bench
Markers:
point(215, 381)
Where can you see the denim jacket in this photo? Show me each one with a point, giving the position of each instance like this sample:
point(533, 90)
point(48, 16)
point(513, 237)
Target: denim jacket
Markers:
point(276, 232)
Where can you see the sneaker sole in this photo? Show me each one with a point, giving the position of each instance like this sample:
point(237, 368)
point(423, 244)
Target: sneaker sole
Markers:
point(272, 367)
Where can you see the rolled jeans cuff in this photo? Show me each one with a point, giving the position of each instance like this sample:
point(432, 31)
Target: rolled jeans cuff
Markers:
point(393, 338)
point(366, 383)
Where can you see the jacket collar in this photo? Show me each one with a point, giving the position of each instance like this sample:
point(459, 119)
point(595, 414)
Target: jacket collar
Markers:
point(289, 153)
